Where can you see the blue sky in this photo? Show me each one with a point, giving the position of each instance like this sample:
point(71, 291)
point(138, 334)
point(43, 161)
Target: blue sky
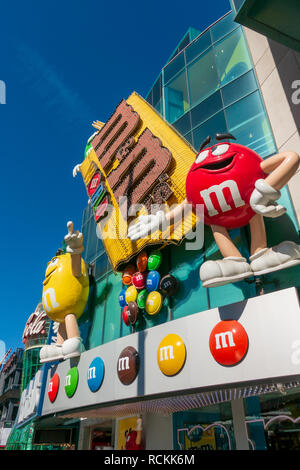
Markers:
point(66, 64)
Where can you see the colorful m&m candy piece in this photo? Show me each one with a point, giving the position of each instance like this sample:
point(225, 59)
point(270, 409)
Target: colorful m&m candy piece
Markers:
point(122, 298)
point(141, 261)
point(125, 316)
point(153, 303)
point(169, 285)
point(127, 274)
point(139, 280)
point(154, 260)
point(131, 294)
point(141, 298)
point(152, 282)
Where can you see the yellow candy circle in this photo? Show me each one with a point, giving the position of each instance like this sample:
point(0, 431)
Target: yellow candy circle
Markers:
point(153, 303)
point(131, 294)
point(64, 293)
point(171, 354)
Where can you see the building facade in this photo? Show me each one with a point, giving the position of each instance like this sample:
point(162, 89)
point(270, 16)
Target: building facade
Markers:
point(190, 394)
point(10, 391)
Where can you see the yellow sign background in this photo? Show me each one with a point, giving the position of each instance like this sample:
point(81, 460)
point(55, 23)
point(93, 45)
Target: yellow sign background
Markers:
point(119, 247)
point(125, 425)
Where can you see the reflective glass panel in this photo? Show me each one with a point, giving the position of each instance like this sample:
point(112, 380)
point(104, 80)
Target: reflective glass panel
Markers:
point(159, 107)
point(232, 57)
point(203, 77)
point(206, 109)
point(211, 127)
point(189, 138)
point(149, 97)
point(173, 67)
point(239, 88)
point(91, 250)
point(101, 266)
point(157, 91)
point(223, 27)
point(198, 46)
point(176, 98)
point(183, 125)
point(248, 122)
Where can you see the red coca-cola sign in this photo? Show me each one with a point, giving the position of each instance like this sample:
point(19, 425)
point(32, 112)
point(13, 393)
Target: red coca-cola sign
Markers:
point(35, 324)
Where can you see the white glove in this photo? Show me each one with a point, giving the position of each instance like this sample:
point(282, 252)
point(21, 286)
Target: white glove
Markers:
point(139, 424)
point(146, 225)
point(74, 240)
point(263, 199)
point(76, 170)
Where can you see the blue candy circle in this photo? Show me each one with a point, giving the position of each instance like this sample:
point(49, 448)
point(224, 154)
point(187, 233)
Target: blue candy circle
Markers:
point(95, 374)
point(153, 280)
point(122, 298)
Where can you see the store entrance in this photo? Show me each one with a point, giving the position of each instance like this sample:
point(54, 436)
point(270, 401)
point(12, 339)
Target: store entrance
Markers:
point(209, 428)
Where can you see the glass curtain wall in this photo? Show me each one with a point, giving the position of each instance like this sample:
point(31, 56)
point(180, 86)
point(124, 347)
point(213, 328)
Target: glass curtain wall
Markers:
point(210, 87)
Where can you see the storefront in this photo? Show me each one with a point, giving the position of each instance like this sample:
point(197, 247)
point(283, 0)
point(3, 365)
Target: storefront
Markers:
point(168, 362)
point(29, 432)
point(197, 383)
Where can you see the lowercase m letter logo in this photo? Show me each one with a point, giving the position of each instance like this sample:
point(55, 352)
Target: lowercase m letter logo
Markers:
point(228, 342)
point(171, 354)
point(95, 374)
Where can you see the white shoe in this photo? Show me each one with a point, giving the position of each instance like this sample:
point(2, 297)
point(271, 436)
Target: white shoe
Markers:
point(221, 272)
point(51, 352)
point(282, 256)
point(72, 347)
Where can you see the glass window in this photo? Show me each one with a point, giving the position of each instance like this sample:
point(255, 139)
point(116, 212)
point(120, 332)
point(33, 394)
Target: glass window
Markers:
point(223, 27)
point(198, 46)
point(159, 107)
point(206, 109)
point(207, 428)
point(157, 91)
point(173, 67)
point(176, 98)
point(149, 97)
point(189, 138)
point(183, 125)
point(232, 57)
point(101, 266)
point(112, 321)
point(91, 249)
point(211, 127)
point(248, 122)
point(203, 77)
point(239, 88)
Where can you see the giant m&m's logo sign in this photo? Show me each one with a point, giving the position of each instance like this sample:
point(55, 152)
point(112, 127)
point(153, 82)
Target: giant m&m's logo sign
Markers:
point(228, 342)
point(95, 374)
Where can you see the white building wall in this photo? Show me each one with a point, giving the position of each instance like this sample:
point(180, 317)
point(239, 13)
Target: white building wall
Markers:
point(277, 68)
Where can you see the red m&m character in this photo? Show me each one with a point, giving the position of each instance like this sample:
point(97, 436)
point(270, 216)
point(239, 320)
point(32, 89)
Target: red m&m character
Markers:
point(235, 186)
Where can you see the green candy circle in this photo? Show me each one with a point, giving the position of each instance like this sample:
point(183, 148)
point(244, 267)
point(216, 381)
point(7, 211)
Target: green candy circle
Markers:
point(141, 298)
point(154, 260)
point(71, 381)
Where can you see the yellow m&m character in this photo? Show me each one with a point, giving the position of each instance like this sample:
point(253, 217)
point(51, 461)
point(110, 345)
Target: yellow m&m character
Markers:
point(65, 294)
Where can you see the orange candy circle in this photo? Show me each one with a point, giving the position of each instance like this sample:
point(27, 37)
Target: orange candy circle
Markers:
point(128, 272)
point(142, 261)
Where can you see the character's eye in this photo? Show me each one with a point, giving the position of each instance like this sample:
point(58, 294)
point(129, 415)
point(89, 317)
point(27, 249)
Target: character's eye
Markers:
point(220, 149)
point(202, 156)
point(53, 262)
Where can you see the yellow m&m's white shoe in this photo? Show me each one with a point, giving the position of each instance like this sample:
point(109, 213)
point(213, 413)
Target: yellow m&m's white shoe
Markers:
point(51, 352)
point(72, 347)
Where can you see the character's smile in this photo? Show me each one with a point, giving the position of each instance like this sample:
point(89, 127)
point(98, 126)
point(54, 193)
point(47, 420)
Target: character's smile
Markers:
point(217, 164)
